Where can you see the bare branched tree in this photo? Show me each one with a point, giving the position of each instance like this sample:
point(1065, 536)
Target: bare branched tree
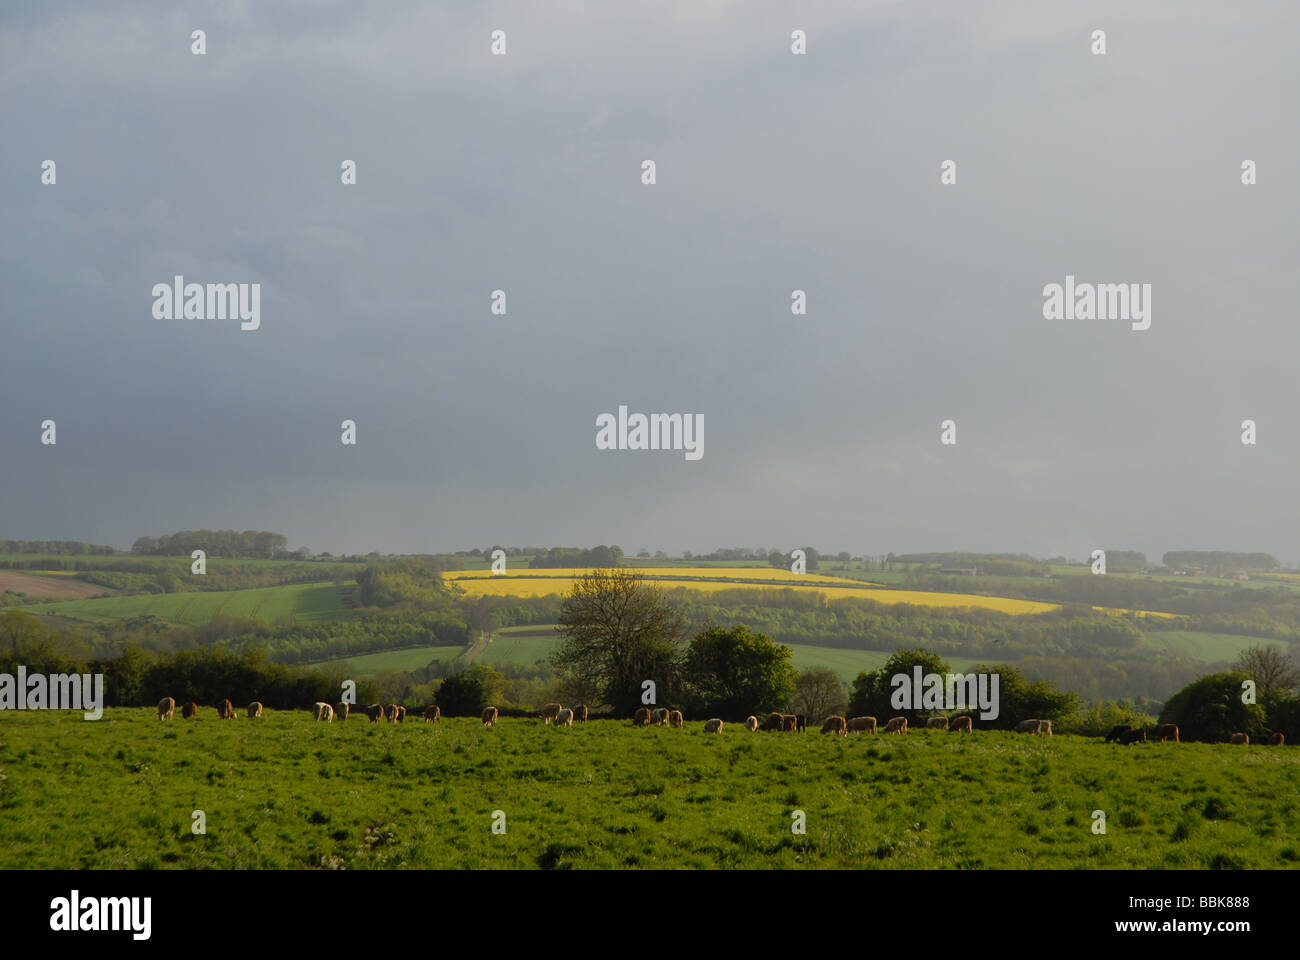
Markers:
point(1271, 669)
point(819, 693)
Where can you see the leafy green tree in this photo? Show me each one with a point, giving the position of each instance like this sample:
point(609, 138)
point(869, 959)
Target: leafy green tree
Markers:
point(872, 692)
point(1019, 699)
point(127, 676)
point(618, 631)
point(819, 693)
point(1100, 718)
point(466, 694)
point(1210, 709)
point(733, 672)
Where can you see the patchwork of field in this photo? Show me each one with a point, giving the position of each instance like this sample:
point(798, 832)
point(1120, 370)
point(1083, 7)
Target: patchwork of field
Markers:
point(285, 792)
point(51, 583)
point(303, 602)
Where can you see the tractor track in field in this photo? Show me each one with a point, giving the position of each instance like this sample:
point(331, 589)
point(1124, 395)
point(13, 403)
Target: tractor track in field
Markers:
point(477, 647)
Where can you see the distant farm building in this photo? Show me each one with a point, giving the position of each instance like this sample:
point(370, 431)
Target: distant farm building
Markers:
point(960, 571)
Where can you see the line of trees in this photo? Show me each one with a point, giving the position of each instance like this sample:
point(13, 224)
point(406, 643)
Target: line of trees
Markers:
point(1218, 559)
point(56, 547)
point(141, 677)
point(1018, 699)
point(624, 645)
point(601, 556)
point(261, 544)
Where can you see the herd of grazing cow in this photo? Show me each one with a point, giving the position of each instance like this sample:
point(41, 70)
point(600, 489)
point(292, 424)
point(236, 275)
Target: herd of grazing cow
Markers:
point(321, 710)
point(560, 716)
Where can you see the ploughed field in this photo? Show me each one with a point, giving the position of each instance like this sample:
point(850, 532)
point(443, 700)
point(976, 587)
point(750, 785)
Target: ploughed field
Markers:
point(287, 792)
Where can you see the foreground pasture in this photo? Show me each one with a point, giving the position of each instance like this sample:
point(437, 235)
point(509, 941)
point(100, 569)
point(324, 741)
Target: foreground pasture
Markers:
point(284, 792)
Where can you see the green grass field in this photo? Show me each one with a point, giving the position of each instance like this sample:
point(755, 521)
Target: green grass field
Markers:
point(285, 792)
point(304, 602)
point(847, 664)
point(515, 648)
point(368, 664)
point(1207, 647)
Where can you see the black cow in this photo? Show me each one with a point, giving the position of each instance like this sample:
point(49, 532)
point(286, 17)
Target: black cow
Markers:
point(1133, 736)
point(1116, 732)
point(801, 723)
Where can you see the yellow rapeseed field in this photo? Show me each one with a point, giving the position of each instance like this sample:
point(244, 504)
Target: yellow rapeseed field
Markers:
point(756, 574)
point(539, 583)
point(524, 582)
point(1140, 613)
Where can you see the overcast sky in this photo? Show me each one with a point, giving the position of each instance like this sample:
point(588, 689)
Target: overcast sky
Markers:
point(775, 172)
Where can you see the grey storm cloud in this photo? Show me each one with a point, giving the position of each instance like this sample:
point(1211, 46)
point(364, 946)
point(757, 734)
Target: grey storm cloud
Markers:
point(775, 172)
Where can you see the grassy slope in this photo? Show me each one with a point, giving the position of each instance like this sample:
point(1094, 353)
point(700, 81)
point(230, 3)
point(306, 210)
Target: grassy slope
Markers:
point(287, 792)
point(1208, 647)
point(306, 602)
point(369, 664)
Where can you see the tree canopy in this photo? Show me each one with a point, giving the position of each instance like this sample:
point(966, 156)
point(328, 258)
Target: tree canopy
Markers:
point(733, 672)
point(617, 631)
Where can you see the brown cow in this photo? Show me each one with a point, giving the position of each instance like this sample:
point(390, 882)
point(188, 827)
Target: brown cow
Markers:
point(751, 724)
point(489, 716)
point(834, 725)
point(896, 725)
point(1027, 726)
point(675, 719)
point(1133, 736)
point(226, 710)
point(1167, 731)
point(1275, 741)
point(166, 708)
point(774, 721)
point(642, 717)
point(860, 725)
point(255, 710)
point(959, 725)
point(375, 712)
point(342, 709)
point(401, 714)
point(789, 722)
point(1240, 738)
point(1045, 727)
point(392, 713)
point(564, 718)
point(433, 714)
point(937, 723)
point(549, 712)
point(190, 709)
point(322, 711)
point(659, 716)
point(713, 726)
point(580, 712)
